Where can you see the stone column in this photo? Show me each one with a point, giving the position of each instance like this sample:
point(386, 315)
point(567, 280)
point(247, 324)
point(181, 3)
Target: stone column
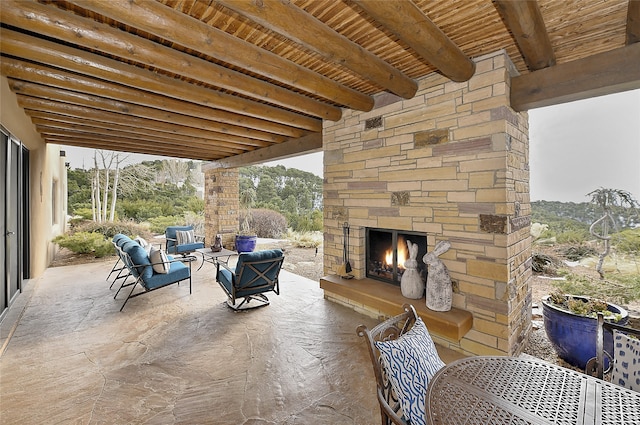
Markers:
point(221, 205)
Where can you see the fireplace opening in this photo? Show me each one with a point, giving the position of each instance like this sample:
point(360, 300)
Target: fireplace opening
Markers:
point(387, 251)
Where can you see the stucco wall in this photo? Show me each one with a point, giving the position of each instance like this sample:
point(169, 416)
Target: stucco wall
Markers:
point(46, 165)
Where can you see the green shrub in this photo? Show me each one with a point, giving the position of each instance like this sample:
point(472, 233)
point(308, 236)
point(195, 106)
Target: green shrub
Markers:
point(305, 239)
point(573, 236)
point(159, 224)
point(268, 223)
point(86, 213)
point(627, 241)
point(110, 228)
point(81, 242)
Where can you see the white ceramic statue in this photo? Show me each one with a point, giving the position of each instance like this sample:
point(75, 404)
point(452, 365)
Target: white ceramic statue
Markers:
point(411, 283)
point(439, 290)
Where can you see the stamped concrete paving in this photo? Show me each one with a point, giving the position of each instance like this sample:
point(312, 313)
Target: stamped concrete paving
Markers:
point(175, 358)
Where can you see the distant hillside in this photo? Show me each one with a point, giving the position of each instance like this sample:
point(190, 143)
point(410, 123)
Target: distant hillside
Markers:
point(563, 215)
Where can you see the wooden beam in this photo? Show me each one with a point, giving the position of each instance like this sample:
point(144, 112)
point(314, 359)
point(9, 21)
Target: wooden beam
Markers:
point(524, 19)
point(169, 24)
point(303, 145)
point(131, 147)
point(604, 73)
point(46, 124)
point(34, 105)
point(66, 26)
point(52, 77)
point(80, 99)
point(404, 19)
point(294, 23)
point(633, 22)
point(89, 64)
point(73, 123)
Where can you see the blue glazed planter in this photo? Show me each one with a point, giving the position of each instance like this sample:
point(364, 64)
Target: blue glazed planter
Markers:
point(574, 336)
point(246, 243)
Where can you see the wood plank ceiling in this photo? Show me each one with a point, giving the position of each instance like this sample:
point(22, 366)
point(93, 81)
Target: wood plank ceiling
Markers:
point(241, 82)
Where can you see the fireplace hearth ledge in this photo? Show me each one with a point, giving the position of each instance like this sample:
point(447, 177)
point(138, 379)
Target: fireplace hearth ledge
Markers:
point(372, 295)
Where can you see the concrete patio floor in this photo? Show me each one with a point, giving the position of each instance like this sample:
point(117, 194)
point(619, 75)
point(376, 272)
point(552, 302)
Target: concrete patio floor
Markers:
point(69, 356)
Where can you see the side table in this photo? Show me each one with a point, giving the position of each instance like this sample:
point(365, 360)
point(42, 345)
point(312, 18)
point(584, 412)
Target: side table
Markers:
point(212, 257)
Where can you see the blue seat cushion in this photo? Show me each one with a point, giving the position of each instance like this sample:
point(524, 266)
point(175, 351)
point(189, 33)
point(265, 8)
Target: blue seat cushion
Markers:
point(140, 259)
point(226, 279)
point(188, 247)
point(177, 272)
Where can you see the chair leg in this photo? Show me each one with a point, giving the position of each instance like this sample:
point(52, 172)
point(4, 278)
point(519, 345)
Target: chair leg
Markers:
point(133, 286)
point(261, 301)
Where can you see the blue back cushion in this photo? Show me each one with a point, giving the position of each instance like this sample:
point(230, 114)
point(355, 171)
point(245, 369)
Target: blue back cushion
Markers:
point(170, 233)
point(267, 254)
point(120, 239)
point(140, 258)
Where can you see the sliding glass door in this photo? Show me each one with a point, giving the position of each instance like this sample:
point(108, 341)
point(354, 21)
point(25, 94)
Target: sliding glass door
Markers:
point(13, 223)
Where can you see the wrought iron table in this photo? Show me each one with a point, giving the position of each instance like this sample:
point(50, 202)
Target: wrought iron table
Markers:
point(514, 390)
point(213, 257)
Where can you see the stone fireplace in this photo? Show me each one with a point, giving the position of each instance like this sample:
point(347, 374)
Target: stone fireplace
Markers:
point(386, 251)
point(451, 164)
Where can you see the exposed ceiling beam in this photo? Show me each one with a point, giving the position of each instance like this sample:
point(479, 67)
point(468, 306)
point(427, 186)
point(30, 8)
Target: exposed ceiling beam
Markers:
point(303, 145)
point(62, 121)
point(604, 73)
point(524, 20)
point(85, 63)
point(89, 101)
point(65, 80)
point(169, 24)
point(116, 145)
point(66, 26)
point(409, 24)
point(294, 23)
point(104, 135)
point(633, 22)
point(64, 111)
point(44, 124)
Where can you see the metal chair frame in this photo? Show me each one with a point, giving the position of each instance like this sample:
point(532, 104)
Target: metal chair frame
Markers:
point(138, 271)
point(269, 285)
point(390, 329)
point(595, 365)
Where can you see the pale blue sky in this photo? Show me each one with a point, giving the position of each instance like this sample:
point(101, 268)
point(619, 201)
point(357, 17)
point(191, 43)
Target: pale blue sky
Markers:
point(574, 148)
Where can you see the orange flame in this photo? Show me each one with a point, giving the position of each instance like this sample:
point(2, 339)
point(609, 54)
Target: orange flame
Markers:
point(403, 255)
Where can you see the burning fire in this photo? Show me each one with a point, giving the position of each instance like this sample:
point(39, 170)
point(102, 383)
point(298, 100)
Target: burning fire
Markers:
point(403, 255)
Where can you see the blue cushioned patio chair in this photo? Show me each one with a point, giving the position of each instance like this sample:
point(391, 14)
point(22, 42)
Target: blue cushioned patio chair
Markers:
point(141, 268)
point(255, 273)
point(176, 247)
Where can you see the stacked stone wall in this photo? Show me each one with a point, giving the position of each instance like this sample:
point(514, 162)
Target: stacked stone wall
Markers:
point(451, 162)
point(221, 205)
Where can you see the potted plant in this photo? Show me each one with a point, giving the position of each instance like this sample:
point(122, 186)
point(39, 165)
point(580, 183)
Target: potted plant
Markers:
point(246, 238)
point(570, 322)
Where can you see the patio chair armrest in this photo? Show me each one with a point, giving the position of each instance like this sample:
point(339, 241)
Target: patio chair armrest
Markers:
point(226, 266)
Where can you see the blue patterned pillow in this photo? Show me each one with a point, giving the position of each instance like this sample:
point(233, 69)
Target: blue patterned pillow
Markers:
point(626, 361)
point(410, 362)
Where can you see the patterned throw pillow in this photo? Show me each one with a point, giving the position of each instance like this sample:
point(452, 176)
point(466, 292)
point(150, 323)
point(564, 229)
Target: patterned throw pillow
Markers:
point(410, 362)
point(184, 237)
point(159, 260)
point(626, 361)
